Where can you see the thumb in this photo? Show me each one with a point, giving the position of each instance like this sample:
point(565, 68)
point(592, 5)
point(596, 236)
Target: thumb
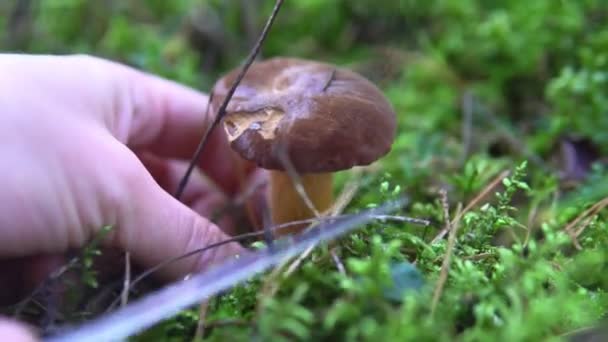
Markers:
point(155, 227)
point(15, 331)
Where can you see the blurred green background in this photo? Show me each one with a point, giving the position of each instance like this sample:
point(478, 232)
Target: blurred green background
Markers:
point(540, 65)
point(478, 86)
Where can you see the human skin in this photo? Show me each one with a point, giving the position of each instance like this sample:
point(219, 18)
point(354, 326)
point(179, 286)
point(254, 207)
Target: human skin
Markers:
point(85, 143)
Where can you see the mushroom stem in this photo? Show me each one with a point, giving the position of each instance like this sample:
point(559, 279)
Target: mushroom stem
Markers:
point(286, 205)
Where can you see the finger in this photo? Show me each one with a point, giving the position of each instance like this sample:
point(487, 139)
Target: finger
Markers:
point(167, 118)
point(11, 330)
point(156, 227)
point(140, 109)
point(170, 119)
point(199, 194)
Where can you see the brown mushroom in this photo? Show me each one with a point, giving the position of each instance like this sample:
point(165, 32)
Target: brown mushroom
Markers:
point(321, 117)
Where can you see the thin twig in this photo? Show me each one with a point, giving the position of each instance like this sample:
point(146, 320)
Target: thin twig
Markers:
point(446, 215)
point(331, 78)
point(338, 207)
point(346, 196)
point(297, 184)
point(413, 220)
point(572, 225)
point(445, 267)
point(125, 290)
point(474, 202)
point(51, 278)
point(587, 215)
point(197, 153)
point(296, 181)
point(222, 110)
point(479, 256)
point(589, 212)
point(271, 286)
point(200, 325)
point(338, 262)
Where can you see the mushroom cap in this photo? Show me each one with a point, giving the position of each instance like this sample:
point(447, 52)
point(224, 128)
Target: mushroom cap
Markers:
point(324, 118)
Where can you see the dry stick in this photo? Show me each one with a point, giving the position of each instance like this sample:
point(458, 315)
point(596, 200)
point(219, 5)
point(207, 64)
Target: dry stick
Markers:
point(591, 211)
point(590, 218)
point(343, 200)
point(271, 286)
point(127, 281)
point(337, 261)
point(296, 181)
point(413, 220)
point(586, 222)
point(479, 256)
point(222, 110)
point(345, 197)
point(200, 325)
point(596, 208)
point(572, 225)
point(51, 278)
point(474, 202)
point(445, 267)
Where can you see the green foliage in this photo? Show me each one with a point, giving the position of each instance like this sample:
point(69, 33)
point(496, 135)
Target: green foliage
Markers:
point(89, 253)
point(532, 71)
point(579, 91)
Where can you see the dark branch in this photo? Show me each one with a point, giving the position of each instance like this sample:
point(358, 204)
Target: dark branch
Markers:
point(222, 110)
point(332, 76)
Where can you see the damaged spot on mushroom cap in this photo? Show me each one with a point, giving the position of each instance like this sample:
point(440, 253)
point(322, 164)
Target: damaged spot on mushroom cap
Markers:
point(263, 122)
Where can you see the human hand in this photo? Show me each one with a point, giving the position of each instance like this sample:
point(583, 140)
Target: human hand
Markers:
point(15, 331)
point(86, 143)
